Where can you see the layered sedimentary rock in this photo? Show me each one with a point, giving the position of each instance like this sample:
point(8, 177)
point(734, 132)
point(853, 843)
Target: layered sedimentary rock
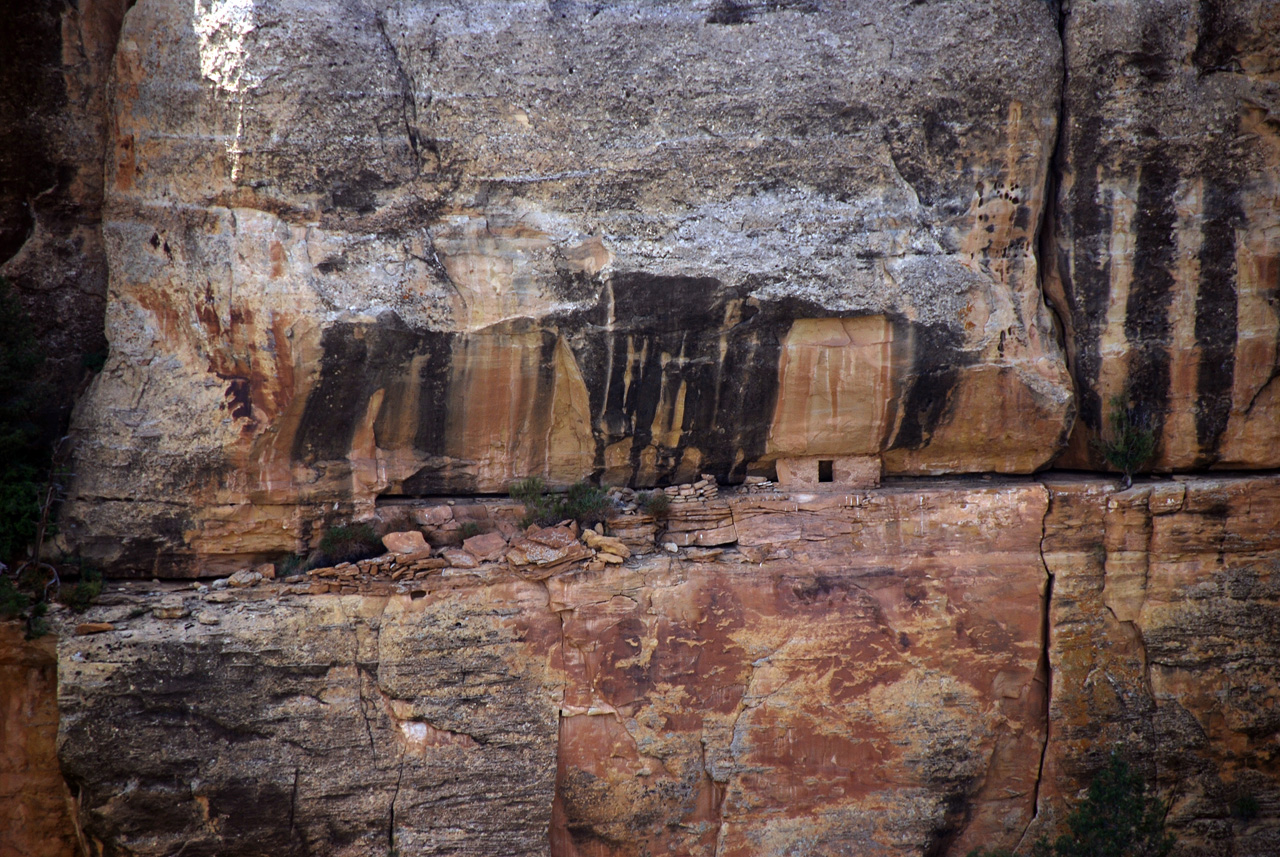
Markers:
point(327, 725)
point(854, 676)
point(402, 249)
point(1165, 240)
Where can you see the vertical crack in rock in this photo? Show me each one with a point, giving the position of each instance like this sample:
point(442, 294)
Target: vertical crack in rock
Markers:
point(391, 813)
point(1044, 668)
point(1044, 247)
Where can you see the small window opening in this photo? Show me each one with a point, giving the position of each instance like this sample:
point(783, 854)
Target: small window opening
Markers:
point(826, 472)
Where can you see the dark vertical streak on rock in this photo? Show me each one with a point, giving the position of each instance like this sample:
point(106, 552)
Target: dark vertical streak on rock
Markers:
point(1216, 315)
point(357, 361)
point(1085, 266)
point(652, 339)
point(1216, 38)
point(937, 361)
point(1146, 323)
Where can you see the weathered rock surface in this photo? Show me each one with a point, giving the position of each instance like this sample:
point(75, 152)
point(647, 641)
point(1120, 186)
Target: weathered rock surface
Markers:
point(1165, 638)
point(35, 808)
point(385, 250)
point(54, 135)
point(1166, 229)
point(334, 725)
point(879, 681)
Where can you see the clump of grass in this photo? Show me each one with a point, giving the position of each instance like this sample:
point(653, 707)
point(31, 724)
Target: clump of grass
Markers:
point(469, 529)
point(291, 566)
point(655, 503)
point(348, 543)
point(583, 502)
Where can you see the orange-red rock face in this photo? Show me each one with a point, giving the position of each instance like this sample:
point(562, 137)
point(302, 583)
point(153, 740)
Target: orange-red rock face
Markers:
point(869, 673)
point(35, 807)
point(854, 694)
point(1163, 639)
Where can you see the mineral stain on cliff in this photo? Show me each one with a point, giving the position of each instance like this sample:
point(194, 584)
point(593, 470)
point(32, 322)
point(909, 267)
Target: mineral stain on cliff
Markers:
point(682, 373)
point(1217, 315)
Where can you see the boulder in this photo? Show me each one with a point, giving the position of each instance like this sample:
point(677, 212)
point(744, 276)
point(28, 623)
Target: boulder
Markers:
point(486, 547)
point(244, 578)
point(407, 542)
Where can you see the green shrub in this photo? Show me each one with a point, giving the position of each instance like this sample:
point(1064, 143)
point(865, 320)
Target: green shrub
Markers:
point(655, 503)
point(469, 529)
point(583, 502)
point(16, 603)
point(1118, 818)
point(1130, 443)
point(348, 543)
point(86, 591)
point(13, 601)
point(37, 625)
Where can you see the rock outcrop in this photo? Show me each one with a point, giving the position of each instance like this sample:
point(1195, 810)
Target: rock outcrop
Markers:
point(377, 250)
point(915, 670)
point(54, 135)
point(1165, 235)
point(1163, 639)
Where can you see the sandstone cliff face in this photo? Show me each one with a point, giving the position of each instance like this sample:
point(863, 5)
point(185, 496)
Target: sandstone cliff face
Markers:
point(1166, 234)
point(395, 249)
point(35, 808)
point(853, 678)
point(1163, 638)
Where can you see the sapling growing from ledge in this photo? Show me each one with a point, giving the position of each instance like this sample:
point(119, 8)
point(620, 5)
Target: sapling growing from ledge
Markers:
point(1130, 443)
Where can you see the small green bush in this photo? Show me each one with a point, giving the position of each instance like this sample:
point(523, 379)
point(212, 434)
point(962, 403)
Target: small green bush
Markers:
point(86, 591)
point(655, 503)
point(1118, 818)
point(348, 543)
point(37, 624)
point(1130, 443)
point(469, 529)
point(13, 601)
point(583, 502)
